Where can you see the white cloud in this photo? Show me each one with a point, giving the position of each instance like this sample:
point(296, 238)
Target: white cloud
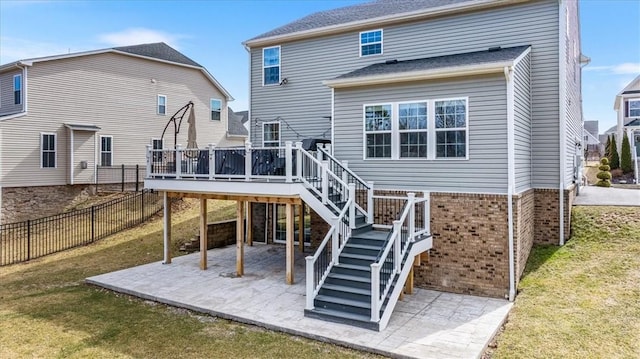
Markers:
point(13, 49)
point(619, 69)
point(135, 36)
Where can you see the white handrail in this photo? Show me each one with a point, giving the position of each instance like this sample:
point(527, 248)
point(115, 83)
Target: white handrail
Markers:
point(344, 168)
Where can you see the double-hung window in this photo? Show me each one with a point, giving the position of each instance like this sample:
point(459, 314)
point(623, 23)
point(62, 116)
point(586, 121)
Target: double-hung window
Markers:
point(215, 108)
point(17, 89)
point(634, 108)
point(427, 129)
point(371, 43)
point(157, 145)
point(271, 134)
point(377, 128)
point(271, 66)
point(106, 151)
point(48, 150)
point(451, 128)
point(162, 105)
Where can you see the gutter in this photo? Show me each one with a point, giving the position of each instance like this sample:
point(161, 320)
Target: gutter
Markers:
point(508, 74)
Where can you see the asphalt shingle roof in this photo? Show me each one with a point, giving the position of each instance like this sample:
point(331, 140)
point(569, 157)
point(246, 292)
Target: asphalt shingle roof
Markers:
point(158, 50)
point(235, 125)
point(431, 63)
point(353, 13)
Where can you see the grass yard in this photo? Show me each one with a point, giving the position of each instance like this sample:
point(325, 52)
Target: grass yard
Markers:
point(581, 300)
point(47, 311)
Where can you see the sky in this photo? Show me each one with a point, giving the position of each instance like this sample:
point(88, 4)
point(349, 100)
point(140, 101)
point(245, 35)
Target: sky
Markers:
point(211, 33)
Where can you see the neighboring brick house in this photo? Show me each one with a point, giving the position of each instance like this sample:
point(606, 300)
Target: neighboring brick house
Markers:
point(475, 103)
point(62, 116)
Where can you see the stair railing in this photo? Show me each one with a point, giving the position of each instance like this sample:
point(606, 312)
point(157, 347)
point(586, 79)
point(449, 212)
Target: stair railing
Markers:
point(412, 223)
point(364, 190)
point(319, 265)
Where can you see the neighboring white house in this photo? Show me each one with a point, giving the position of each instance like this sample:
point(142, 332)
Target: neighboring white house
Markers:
point(62, 116)
point(627, 106)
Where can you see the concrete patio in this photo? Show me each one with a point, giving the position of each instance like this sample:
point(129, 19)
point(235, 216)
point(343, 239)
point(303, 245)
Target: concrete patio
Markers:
point(427, 324)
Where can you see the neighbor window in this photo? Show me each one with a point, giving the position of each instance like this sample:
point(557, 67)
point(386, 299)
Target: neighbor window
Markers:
point(634, 108)
point(451, 128)
point(377, 128)
point(371, 43)
point(48, 150)
point(106, 151)
point(427, 129)
point(412, 126)
point(271, 134)
point(216, 109)
point(271, 65)
point(17, 89)
point(157, 144)
point(162, 104)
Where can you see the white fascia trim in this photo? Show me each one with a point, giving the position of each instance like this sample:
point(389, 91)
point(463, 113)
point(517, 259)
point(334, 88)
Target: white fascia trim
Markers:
point(15, 115)
point(494, 67)
point(228, 135)
point(382, 21)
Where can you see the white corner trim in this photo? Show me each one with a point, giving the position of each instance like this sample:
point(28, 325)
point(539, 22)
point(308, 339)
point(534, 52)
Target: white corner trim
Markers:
point(509, 74)
point(562, 115)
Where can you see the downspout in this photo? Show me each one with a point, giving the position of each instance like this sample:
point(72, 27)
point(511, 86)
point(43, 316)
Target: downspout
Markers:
point(248, 49)
point(71, 159)
point(562, 77)
point(333, 132)
point(508, 74)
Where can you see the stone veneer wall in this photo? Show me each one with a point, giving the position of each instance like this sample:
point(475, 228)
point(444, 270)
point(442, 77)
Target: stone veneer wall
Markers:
point(547, 219)
point(23, 203)
point(220, 234)
point(524, 228)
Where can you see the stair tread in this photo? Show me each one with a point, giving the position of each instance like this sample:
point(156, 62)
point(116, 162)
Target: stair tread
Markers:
point(353, 266)
point(343, 301)
point(344, 315)
point(373, 234)
point(358, 256)
point(363, 246)
point(346, 289)
point(349, 277)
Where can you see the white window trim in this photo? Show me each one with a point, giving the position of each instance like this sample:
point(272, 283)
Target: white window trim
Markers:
point(372, 43)
point(628, 114)
point(365, 132)
point(55, 149)
point(431, 131)
point(21, 89)
point(279, 133)
point(158, 105)
point(110, 152)
point(279, 65)
point(211, 108)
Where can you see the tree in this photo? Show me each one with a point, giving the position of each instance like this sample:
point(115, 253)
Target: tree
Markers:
point(615, 158)
point(604, 175)
point(607, 148)
point(625, 156)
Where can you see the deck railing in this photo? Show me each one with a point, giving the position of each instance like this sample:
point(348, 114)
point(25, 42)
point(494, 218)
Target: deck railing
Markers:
point(412, 223)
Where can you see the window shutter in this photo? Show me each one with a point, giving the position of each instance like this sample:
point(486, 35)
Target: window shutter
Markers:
point(626, 108)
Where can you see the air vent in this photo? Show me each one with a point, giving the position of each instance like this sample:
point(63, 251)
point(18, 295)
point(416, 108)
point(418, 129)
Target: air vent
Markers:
point(391, 62)
point(494, 49)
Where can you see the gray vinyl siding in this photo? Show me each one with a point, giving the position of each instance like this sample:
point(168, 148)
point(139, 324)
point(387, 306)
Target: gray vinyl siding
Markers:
point(115, 92)
point(573, 98)
point(486, 167)
point(305, 104)
point(522, 124)
point(7, 105)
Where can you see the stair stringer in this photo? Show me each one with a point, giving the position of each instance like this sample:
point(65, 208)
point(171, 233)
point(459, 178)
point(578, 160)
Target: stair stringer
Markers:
point(418, 247)
point(316, 204)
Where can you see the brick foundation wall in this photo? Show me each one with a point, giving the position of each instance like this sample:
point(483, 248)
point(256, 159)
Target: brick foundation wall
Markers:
point(547, 219)
point(259, 220)
point(470, 245)
point(23, 203)
point(524, 228)
point(319, 228)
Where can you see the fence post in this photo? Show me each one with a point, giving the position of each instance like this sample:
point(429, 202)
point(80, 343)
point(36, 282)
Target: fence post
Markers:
point(122, 178)
point(288, 160)
point(93, 223)
point(370, 203)
point(137, 177)
point(142, 207)
point(28, 239)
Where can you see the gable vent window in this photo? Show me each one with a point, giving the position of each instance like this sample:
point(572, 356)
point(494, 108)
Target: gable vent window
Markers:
point(371, 43)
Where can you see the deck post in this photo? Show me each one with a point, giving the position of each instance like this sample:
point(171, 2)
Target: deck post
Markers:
point(352, 206)
point(178, 161)
point(370, 203)
point(167, 228)
point(375, 292)
point(203, 233)
point(240, 239)
point(345, 177)
point(335, 237)
point(212, 161)
point(325, 182)
point(149, 157)
point(397, 244)
point(289, 248)
point(301, 228)
point(249, 229)
point(288, 162)
point(310, 283)
point(298, 160)
point(427, 211)
point(412, 214)
point(247, 161)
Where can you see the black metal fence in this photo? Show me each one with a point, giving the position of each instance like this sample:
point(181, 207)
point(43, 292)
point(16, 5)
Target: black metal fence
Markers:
point(23, 241)
point(120, 178)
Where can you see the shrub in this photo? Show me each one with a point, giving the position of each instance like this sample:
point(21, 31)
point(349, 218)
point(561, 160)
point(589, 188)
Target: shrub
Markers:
point(604, 175)
point(615, 158)
point(616, 173)
point(625, 156)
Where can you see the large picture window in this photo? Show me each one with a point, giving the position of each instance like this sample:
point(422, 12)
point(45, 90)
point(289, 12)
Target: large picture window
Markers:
point(271, 65)
point(106, 151)
point(48, 150)
point(271, 134)
point(377, 128)
point(428, 129)
point(634, 108)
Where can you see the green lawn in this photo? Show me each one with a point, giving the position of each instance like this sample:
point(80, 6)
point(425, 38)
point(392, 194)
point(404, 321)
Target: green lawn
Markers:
point(581, 300)
point(46, 310)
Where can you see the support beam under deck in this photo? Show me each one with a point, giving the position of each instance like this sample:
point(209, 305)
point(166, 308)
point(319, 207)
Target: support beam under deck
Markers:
point(203, 233)
point(167, 228)
point(289, 247)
